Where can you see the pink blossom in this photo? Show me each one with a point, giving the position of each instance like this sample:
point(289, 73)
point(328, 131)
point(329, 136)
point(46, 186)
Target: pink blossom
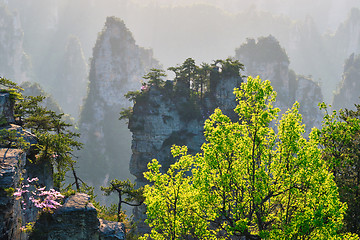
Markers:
point(32, 180)
point(17, 194)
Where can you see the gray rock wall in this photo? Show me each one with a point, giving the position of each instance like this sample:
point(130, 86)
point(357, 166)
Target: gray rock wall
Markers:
point(11, 214)
point(14, 168)
point(289, 86)
point(76, 220)
point(6, 109)
point(348, 91)
point(117, 66)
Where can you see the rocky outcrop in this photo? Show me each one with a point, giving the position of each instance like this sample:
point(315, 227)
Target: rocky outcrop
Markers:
point(76, 220)
point(111, 230)
point(6, 109)
point(266, 58)
point(11, 213)
point(14, 168)
point(348, 91)
point(14, 63)
point(117, 66)
point(163, 117)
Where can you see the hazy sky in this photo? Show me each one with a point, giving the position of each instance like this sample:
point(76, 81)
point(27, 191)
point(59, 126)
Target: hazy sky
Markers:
point(208, 30)
point(296, 9)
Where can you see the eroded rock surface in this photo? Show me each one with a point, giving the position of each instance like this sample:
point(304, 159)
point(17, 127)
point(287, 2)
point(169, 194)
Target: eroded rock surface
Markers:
point(6, 109)
point(111, 230)
point(117, 66)
point(77, 220)
point(11, 214)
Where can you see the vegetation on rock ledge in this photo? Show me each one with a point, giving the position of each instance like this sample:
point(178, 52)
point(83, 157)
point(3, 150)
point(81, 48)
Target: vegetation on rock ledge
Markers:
point(249, 180)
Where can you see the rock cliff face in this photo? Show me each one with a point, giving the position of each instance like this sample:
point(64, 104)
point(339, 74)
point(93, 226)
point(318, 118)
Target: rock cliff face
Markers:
point(14, 166)
point(117, 66)
point(347, 36)
point(348, 91)
point(14, 63)
point(161, 118)
point(267, 59)
point(337, 48)
point(10, 209)
point(76, 220)
point(71, 82)
point(6, 109)
point(12, 162)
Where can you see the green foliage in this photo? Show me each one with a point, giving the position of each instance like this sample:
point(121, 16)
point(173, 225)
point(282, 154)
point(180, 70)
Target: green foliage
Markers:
point(108, 213)
point(132, 95)
point(55, 140)
point(249, 180)
point(189, 76)
point(192, 84)
point(12, 88)
point(10, 138)
point(229, 67)
point(9, 191)
point(126, 192)
point(28, 228)
point(155, 76)
point(340, 139)
point(126, 114)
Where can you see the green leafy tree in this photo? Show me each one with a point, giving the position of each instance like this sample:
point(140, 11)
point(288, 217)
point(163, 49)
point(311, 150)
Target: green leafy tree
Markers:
point(188, 72)
point(221, 69)
point(12, 88)
point(155, 77)
point(340, 139)
point(127, 194)
point(249, 180)
point(186, 76)
point(55, 139)
point(229, 67)
point(203, 80)
point(10, 138)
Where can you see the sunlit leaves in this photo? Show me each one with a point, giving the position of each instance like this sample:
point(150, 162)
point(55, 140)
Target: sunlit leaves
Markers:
point(249, 180)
